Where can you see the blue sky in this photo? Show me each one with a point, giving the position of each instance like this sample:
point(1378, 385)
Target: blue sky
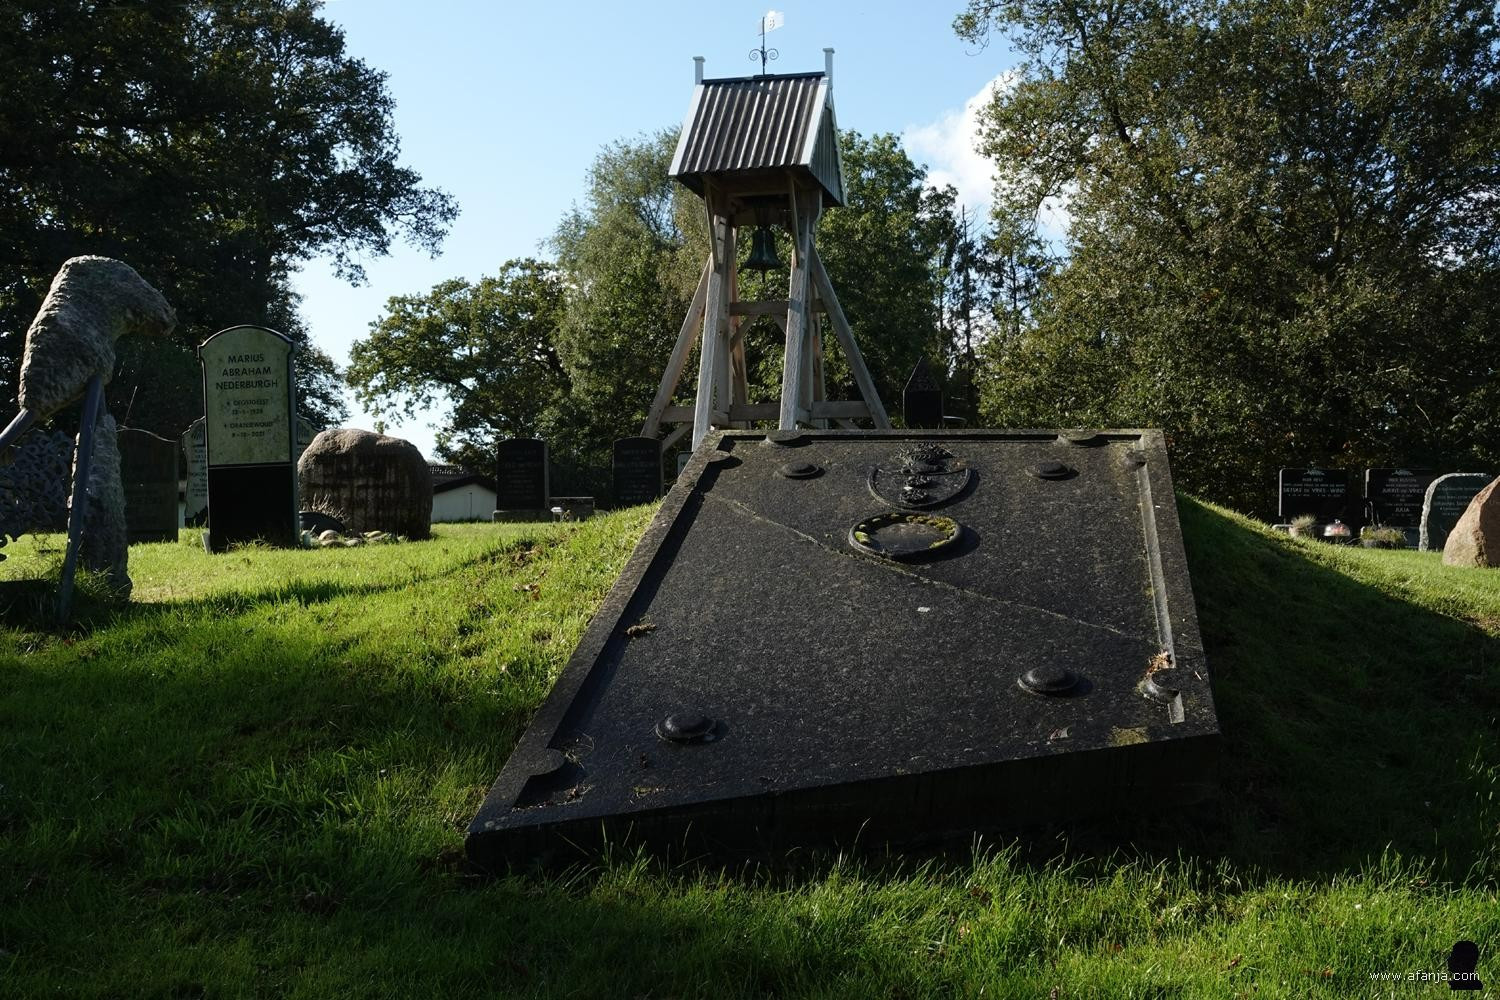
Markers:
point(504, 106)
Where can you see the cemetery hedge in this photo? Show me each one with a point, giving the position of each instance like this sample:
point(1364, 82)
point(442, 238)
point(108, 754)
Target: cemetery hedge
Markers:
point(253, 781)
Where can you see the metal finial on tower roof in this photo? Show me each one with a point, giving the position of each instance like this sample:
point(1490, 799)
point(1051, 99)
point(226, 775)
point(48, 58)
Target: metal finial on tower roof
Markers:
point(770, 21)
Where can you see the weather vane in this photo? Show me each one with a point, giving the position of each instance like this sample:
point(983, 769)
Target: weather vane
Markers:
point(772, 20)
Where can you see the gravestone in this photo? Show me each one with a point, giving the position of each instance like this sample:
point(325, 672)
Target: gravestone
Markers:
point(195, 484)
point(572, 508)
point(249, 402)
point(1394, 498)
point(637, 471)
point(148, 473)
point(922, 403)
point(1323, 493)
point(366, 482)
point(522, 487)
point(1446, 500)
point(875, 635)
point(305, 434)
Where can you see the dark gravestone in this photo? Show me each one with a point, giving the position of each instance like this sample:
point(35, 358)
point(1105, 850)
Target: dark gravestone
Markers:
point(572, 508)
point(1393, 498)
point(1446, 500)
point(148, 473)
point(637, 471)
point(922, 403)
point(249, 402)
point(1395, 495)
point(195, 484)
point(1323, 493)
point(881, 636)
point(521, 479)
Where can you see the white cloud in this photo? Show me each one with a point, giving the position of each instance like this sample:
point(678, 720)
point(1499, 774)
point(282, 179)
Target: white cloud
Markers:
point(948, 147)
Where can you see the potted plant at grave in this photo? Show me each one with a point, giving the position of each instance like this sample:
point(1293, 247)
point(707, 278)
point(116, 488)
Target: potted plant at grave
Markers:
point(1304, 526)
point(1383, 538)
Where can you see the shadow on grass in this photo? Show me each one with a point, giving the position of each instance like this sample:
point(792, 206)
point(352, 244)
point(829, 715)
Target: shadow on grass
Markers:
point(1354, 722)
point(162, 810)
point(255, 789)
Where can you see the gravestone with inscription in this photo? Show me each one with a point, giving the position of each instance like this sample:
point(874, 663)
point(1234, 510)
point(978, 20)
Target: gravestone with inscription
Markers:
point(637, 471)
point(1446, 500)
point(249, 402)
point(1394, 498)
point(878, 636)
point(522, 486)
point(195, 483)
point(1323, 493)
point(148, 473)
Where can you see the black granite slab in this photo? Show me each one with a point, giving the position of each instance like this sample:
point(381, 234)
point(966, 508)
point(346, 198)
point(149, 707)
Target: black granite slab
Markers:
point(760, 676)
point(1323, 493)
point(637, 471)
point(148, 475)
point(521, 476)
point(922, 400)
point(1395, 495)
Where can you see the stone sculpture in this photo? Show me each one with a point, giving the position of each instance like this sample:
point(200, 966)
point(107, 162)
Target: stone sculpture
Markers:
point(69, 353)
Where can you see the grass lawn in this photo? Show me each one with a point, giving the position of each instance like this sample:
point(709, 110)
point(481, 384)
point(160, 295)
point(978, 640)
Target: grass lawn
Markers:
point(254, 780)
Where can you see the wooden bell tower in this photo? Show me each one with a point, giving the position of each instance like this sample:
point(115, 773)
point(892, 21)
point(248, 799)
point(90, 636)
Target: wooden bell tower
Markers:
point(761, 151)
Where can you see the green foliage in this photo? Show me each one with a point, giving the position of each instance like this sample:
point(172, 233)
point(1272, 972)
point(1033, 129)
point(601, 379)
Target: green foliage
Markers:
point(486, 348)
point(1281, 247)
point(254, 780)
point(631, 254)
point(884, 253)
point(581, 370)
point(211, 146)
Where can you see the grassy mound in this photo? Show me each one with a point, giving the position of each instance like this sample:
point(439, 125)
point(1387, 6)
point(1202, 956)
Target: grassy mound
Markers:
point(253, 781)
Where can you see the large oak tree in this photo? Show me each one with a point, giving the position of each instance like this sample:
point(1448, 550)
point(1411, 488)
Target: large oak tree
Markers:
point(213, 146)
point(1282, 244)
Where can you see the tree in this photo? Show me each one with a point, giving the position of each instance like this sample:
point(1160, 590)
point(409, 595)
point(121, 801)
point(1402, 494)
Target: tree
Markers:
point(485, 348)
point(885, 253)
point(628, 259)
point(1281, 246)
point(211, 146)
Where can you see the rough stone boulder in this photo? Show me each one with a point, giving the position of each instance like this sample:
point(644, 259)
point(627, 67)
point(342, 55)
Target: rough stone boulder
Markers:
point(369, 482)
point(1475, 539)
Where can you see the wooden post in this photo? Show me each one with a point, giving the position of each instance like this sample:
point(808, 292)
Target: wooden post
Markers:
point(739, 381)
point(725, 362)
point(794, 372)
point(708, 350)
point(686, 337)
point(846, 341)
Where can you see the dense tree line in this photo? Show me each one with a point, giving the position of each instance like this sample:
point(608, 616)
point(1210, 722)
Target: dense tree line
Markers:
point(1282, 244)
point(579, 344)
point(213, 147)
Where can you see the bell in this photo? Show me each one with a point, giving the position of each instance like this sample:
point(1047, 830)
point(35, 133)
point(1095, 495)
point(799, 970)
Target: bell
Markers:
point(763, 251)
